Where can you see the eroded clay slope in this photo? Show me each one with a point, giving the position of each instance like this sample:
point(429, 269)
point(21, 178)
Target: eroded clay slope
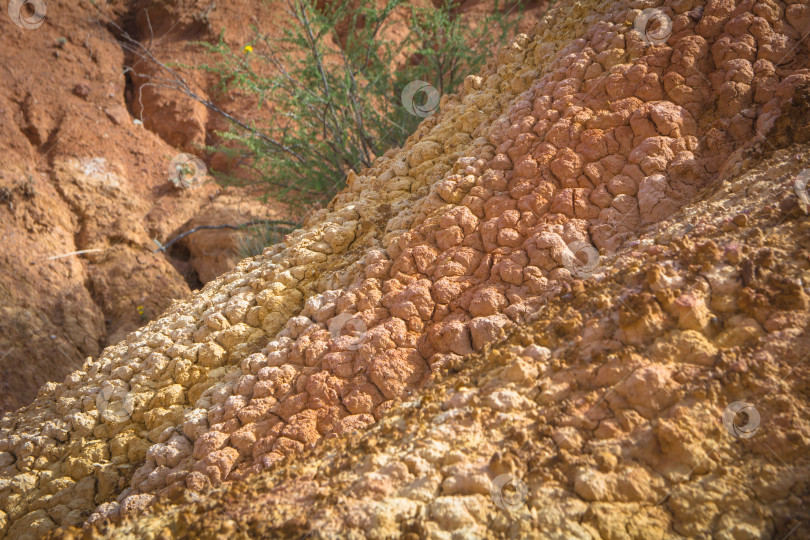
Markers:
point(585, 131)
point(85, 194)
point(606, 416)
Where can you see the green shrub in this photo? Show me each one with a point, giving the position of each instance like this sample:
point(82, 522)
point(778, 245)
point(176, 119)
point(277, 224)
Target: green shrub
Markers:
point(333, 82)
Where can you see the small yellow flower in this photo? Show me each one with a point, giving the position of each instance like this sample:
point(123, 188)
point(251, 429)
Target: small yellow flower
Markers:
point(248, 49)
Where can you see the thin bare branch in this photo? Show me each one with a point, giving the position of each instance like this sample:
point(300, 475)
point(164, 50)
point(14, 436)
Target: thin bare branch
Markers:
point(227, 226)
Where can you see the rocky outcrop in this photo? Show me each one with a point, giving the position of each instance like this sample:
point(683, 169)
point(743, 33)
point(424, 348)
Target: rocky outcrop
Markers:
point(84, 197)
point(78, 270)
point(661, 400)
point(543, 205)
